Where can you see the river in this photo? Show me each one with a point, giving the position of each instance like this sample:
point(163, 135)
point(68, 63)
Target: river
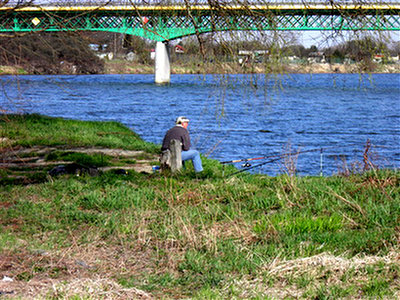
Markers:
point(327, 117)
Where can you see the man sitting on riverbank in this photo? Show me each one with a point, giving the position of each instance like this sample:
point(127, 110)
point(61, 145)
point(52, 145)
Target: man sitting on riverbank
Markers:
point(179, 132)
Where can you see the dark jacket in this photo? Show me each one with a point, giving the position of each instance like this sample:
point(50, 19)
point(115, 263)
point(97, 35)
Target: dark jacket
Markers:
point(177, 133)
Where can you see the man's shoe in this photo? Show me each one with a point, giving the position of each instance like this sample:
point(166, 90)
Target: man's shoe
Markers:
point(202, 175)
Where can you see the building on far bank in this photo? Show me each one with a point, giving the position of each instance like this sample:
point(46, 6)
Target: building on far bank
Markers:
point(395, 59)
point(179, 49)
point(247, 56)
point(316, 57)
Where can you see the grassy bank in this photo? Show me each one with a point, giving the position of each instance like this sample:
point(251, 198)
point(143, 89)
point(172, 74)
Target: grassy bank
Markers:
point(144, 235)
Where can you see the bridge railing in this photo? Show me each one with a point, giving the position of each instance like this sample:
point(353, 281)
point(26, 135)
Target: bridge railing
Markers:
point(164, 23)
point(67, 3)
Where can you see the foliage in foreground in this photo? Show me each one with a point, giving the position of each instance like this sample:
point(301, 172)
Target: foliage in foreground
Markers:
point(247, 236)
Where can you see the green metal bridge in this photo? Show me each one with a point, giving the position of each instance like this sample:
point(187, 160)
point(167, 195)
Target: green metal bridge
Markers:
point(164, 22)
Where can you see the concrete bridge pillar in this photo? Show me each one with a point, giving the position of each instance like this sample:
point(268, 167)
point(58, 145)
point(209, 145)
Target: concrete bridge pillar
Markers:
point(162, 63)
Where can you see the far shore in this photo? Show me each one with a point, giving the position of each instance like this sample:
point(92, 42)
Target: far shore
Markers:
point(124, 67)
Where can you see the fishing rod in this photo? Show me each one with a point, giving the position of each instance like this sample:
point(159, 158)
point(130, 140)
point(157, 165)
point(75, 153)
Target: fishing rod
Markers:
point(255, 166)
point(269, 156)
point(288, 154)
point(280, 156)
point(277, 157)
point(274, 158)
point(244, 159)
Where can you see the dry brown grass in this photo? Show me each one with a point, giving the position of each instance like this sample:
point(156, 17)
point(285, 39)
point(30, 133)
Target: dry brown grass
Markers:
point(85, 288)
point(329, 263)
point(323, 268)
point(87, 271)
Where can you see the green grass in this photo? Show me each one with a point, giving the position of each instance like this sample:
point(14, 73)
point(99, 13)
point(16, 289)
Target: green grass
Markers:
point(179, 236)
point(29, 130)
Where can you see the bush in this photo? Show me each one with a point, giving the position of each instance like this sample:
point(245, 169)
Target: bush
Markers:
point(50, 53)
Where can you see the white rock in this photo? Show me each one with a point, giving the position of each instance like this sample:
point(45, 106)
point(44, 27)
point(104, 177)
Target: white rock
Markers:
point(7, 279)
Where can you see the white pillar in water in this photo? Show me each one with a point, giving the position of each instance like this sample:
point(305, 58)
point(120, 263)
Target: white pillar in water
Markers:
point(162, 64)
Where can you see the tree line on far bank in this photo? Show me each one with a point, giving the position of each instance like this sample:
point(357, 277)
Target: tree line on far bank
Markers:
point(73, 52)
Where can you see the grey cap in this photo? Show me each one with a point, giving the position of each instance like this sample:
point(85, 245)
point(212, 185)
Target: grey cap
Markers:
point(181, 119)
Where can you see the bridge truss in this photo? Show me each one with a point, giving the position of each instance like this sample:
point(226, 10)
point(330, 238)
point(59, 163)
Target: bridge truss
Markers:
point(168, 22)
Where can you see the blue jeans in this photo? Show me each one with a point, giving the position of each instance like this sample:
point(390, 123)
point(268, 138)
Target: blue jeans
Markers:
point(194, 155)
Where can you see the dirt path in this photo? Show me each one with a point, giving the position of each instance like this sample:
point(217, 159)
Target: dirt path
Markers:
point(21, 161)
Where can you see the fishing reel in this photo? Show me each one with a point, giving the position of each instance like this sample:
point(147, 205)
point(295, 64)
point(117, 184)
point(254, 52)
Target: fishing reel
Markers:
point(246, 165)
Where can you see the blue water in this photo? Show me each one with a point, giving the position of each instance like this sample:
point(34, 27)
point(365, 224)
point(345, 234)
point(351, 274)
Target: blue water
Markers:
point(235, 116)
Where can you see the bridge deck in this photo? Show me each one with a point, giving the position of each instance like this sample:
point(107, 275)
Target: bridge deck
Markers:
point(283, 8)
